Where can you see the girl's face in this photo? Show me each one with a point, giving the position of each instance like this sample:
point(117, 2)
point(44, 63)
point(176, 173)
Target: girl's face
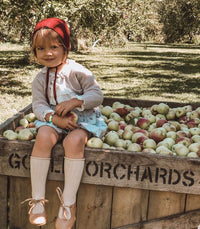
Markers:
point(49, 51)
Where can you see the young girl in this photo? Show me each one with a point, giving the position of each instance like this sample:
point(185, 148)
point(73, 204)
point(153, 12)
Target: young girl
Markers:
point(62, 86)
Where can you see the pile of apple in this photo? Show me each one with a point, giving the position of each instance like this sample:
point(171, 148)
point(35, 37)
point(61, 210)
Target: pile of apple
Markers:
point(25, 131)
point(158, 129)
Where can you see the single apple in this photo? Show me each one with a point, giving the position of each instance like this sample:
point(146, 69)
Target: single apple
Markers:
point(171, 114)
point(122, 125)
point(105, 146)
point(117, 104)
point(152, 126)
point(30, 117)
point(31, 125)
point(135, 113)
point(171, 134)
point(135, 136)
point(115, 116)
point(191, 124)
point(120, 132)
point(25, 135)
point(158, 134)
point(169, 141)
point(154, 109)
point(127, 134)
point(19, 128)
point(107, 111)
point(194, 147)
point(162, 108)
point(183, 133)
point(180, 111)
point(151, 118)
point(141, 139)
point(95, 142)
point(134, 147)
point(164, 143)
point(192, 154)
point(183, 119)
point(194, 114)
point(184, 140)
point(120, 143)
point(194, 131)
point(23, 122)
point(113, 125)
point(146, 111)
point(128, 142)
point(143, 123)
point(122, 111)
point(163, 150)
point(149, 143)
point(169, 127)
point(72, 116)
point(188, 108)
point(111, 137)
point(161, 122)
point(148, 150)
point(176, 124)
point(145, 132)
point(10, 135)
point(196, 138)
point(180, 149)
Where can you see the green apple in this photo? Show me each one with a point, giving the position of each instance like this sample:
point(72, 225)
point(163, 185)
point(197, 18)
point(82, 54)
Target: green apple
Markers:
point(95, 142)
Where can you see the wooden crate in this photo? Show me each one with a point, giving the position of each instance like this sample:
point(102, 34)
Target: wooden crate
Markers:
point(119, 189)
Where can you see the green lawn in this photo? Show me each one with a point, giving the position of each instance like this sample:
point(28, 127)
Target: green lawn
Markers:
point(145, 71)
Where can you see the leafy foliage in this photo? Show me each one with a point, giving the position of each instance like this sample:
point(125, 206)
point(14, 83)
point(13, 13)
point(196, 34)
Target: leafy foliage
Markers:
point(104, 21)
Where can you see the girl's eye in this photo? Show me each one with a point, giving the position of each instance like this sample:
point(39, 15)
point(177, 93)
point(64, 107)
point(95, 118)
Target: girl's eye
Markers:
point(54, 47)
point(39, 48)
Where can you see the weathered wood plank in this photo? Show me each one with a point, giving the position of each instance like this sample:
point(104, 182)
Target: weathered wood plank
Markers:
point(192, 202)
point(165, 203)
point(94, 207)
point(129, 206)
point(189, 220)
point(20, 189)
point(4, 201)
point(111, 167)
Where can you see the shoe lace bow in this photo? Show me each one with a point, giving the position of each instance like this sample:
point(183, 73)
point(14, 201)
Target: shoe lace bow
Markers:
point(66, 209)
point(32, 203)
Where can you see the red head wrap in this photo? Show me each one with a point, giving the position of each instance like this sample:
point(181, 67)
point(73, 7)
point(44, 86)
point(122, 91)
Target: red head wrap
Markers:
point(59, 26)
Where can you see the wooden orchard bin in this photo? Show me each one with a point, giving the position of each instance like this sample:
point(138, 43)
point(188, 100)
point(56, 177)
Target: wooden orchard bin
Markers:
point(119, 189)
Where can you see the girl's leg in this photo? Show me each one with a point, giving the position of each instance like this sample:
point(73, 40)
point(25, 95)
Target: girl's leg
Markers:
point(46, 138)
point(74, 145)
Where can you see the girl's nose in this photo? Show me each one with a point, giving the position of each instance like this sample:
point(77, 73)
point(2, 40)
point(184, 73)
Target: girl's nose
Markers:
point(48, 52)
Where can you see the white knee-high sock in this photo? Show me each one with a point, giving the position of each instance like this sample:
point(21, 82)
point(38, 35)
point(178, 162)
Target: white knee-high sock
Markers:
point(39, 170)
point(73, 170)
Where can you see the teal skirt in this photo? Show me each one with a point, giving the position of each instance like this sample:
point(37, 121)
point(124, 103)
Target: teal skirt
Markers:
point(90, 120)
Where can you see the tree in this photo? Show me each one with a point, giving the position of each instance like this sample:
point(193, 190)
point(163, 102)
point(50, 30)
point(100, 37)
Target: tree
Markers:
point(180, 19)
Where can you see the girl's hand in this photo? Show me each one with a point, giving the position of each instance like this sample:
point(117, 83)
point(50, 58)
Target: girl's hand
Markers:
point(64, 122)
point(63, 108)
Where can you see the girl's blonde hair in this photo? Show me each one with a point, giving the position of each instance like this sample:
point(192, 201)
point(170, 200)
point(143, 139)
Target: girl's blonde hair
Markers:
point(43, 35)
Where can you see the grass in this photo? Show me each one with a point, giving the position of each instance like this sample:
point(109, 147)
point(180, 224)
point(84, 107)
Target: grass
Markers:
point(145, 71)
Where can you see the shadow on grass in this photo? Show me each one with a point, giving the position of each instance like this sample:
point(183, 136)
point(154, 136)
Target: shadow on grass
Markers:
point(12, 66)
point(135, 72)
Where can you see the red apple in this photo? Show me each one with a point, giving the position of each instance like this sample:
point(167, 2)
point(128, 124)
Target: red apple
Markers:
point(158, 134)
point(145, 132)
point(141, 139)
point(143, 123)
point(161, 122)
point(19, 128)
point(184, 140)
point(184, 119)
point(72, 116)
